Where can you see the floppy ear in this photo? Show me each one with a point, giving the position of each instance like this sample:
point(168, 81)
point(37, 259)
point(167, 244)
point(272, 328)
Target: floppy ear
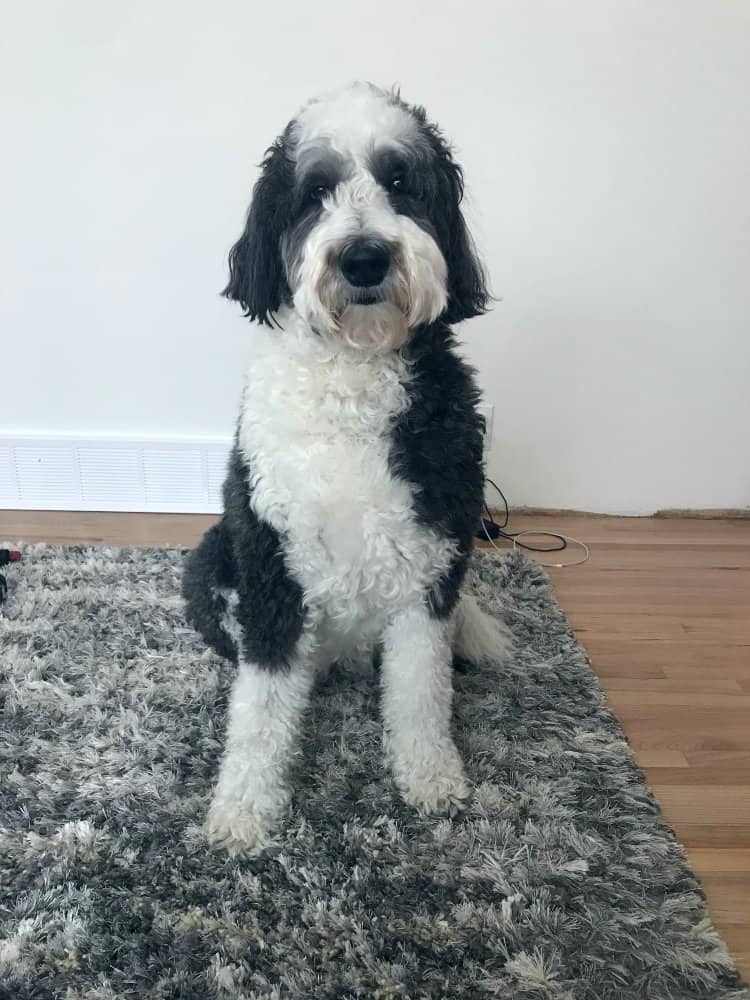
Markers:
point(468, 294)
point(256, 272)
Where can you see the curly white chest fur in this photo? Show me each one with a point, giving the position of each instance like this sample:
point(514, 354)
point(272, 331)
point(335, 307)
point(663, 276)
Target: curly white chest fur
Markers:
point(315, 431)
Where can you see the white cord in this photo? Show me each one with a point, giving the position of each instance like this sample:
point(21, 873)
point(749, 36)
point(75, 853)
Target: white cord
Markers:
point(552, 534)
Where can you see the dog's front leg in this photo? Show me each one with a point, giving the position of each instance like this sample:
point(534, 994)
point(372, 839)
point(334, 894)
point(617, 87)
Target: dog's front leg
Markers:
point(417, 680)
point(265, 712)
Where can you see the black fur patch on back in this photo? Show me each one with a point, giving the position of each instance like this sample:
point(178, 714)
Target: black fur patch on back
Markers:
point(244, 553)
point(438, 447)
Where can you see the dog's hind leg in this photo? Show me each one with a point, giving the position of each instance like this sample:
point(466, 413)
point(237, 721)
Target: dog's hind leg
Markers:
point(479, 638)
point(208, 577)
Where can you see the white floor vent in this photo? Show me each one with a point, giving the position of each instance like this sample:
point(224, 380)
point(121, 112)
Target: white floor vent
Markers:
point(112, 473)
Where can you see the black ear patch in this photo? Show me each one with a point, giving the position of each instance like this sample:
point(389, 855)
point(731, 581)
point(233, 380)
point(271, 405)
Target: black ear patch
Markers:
point(468, 294)
point(257, 279)
point(467, 284)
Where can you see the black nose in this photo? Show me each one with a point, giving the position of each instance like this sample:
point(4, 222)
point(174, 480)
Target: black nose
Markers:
point(365, 263)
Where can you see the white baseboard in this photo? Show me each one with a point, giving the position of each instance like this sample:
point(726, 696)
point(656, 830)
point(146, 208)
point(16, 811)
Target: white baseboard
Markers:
point(112, 472)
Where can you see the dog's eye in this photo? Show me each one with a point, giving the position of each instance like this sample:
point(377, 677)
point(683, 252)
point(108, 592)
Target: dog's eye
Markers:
point(318, 192)
point(397, 182)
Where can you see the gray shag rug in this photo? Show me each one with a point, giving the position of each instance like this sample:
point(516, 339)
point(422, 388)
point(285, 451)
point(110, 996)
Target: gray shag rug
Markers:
point(560, 881)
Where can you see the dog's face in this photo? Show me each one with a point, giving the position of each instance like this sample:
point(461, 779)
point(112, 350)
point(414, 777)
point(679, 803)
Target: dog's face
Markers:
point(356, 222)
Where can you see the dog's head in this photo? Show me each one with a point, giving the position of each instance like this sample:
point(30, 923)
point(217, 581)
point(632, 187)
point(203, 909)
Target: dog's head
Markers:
point(356, 222)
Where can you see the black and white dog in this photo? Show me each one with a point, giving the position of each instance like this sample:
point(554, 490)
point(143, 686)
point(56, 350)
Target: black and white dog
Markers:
point(356, 480)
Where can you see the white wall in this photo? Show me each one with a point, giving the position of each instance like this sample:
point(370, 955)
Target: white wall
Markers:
point(607, 149)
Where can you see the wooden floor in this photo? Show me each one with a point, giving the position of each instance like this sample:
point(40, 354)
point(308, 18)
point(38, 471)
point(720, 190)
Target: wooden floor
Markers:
point(663, 608)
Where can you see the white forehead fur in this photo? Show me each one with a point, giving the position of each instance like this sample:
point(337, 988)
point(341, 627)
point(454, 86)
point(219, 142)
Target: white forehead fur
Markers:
point(353, 120)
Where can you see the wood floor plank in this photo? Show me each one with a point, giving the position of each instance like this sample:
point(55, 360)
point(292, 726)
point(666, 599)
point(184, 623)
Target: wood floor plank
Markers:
point(673, 685)
point(715, 834)
point(729, 892)
point(103, 527)
point(663, 610)
point(660, 731)
point(712, 776)
point(678, 658)
point(727, 860)
point(661, 758)
point(699, 803)
point(702, 700)
point(711, 758)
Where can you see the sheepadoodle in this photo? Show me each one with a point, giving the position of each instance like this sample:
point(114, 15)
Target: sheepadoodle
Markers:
point(356, 480)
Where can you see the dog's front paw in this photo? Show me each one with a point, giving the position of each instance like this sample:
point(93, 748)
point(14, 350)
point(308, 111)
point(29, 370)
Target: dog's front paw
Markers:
point(237, 827)
point(440, 788)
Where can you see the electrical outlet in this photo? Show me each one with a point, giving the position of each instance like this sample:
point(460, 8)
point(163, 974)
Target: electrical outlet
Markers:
point(488, 412)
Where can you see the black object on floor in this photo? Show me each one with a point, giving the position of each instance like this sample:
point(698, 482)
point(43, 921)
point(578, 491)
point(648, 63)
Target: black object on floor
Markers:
point(6, 556)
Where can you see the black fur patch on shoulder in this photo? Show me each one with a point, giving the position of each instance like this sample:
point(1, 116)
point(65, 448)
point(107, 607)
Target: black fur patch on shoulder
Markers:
point(438, 447)
point(244, 553)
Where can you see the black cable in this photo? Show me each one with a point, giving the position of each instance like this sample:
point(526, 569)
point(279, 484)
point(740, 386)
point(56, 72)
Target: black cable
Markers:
point(512, 536)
